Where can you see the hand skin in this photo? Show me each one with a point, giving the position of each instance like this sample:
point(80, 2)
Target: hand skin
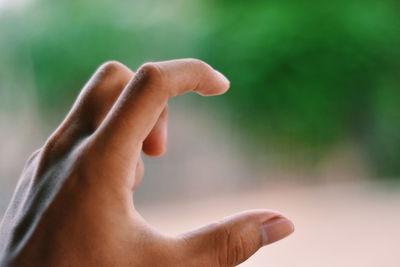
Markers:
point(73, 204)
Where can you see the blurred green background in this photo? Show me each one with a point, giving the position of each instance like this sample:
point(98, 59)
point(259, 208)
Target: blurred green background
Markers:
point(305, 74)
point(310, 126)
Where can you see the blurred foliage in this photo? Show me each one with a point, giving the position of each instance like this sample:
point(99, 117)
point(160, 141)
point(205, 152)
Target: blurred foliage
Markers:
point(65, 41)
point(312, 73)
point(305, 73)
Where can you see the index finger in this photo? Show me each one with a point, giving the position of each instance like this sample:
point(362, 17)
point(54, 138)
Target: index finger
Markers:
point(140, 104)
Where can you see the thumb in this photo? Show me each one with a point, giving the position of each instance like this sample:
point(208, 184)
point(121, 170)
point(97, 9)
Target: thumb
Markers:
point(234, 239)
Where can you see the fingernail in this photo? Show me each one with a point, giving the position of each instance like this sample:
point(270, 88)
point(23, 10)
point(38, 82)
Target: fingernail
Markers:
point(275, 229)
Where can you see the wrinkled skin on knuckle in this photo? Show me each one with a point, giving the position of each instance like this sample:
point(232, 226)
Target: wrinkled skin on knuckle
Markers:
point(232, 247)
point(154, 76)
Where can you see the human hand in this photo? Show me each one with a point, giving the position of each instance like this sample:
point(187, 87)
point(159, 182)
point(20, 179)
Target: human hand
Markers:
point(73, 205)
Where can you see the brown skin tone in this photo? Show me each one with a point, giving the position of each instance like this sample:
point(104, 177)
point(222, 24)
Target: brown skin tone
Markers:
point(73, 204)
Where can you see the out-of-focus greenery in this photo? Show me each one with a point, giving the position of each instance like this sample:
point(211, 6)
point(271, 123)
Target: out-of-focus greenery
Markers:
point(64, 41)
point(304, 73)
point(314, 72)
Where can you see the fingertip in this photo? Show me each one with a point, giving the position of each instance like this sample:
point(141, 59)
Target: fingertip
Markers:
point(153, 150)
point(155, 145)
point(218, 84)
point(225, 83)
point(236, 238)
point(273, 225)
point(275, 229)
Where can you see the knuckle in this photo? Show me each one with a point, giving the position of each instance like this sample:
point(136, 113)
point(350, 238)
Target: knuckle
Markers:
point(153, 74)
point(197, 61)
point(232, 248)
point(151, 71)
point(111, 74)
point(111, 66)
point(200, 64)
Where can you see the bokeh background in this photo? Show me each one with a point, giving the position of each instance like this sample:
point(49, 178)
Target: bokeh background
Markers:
point(310, 127)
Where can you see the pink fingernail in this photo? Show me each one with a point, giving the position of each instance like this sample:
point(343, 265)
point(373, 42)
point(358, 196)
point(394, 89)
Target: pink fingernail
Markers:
point(275, 229)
